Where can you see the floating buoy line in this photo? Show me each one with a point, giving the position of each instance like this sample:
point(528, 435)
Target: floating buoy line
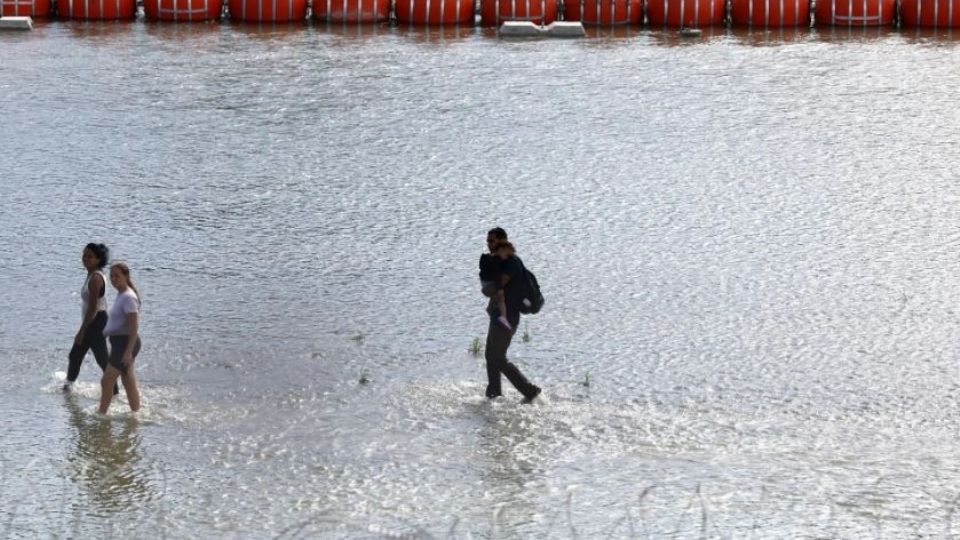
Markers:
point(685, 16)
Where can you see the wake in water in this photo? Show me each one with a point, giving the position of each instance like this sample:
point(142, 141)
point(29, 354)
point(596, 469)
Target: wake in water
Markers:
point(155, 407)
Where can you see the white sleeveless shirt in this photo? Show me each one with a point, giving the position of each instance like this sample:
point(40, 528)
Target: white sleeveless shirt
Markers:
point(85, 294)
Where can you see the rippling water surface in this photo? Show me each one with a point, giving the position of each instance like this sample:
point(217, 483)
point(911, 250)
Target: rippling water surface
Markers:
point(748, 244)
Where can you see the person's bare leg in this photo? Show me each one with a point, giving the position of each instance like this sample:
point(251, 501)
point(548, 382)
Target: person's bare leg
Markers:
point(133, 391)
point(107, 383)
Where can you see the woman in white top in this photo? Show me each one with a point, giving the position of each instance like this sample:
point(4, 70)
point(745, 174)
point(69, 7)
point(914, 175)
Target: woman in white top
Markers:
point(94, 315)
point(123, 329)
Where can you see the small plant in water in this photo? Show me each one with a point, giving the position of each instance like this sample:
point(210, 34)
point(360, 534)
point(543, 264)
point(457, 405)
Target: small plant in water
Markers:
point(526, 333)
point(475, 347)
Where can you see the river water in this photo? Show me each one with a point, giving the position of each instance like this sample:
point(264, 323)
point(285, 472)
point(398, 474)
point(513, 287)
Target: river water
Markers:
point(748, 243)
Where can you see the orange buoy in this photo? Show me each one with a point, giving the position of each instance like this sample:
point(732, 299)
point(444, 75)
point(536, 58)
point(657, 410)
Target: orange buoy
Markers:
point(351, 11)
point(24, 8)
point(856, 12)
point(684, 13)
point(930, 13)
point(183, 10)
point(604, 12)
point(497, 12)
point(268, 10)
point(771, 13)
point(97, 9)
point(434, 12)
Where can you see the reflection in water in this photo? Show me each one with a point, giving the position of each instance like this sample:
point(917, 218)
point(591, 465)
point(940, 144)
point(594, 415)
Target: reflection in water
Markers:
point(620, 31)
point(930, 35)
point(352, 31)
point(100, 31)
point(436, 34)
point(107, 463)
point(670, 37)
point(268, 30)
point(204, 32)
point(846, 33)
point(510, 444)
point(761, 37)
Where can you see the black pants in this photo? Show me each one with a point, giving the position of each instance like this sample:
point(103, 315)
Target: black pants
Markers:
point(93, 339)
point(498, 341)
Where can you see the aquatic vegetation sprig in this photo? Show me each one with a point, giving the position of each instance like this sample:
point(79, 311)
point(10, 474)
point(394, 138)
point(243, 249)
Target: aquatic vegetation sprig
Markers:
point(476, 347)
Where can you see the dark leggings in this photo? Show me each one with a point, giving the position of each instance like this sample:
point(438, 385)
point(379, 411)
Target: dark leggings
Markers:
point(93, 339)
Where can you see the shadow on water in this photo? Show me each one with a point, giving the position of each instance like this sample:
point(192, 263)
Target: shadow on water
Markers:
point(106, 461)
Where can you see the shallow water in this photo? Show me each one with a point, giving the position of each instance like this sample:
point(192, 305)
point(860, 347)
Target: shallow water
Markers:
point(747, 244)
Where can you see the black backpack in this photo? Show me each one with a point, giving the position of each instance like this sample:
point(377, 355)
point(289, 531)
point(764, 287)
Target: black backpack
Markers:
point(532, 297)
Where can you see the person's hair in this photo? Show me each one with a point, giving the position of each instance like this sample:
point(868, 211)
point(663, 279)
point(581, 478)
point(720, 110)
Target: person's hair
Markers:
point(504, 244)
point(125, 270)
point(101, 251)
point(498, 233)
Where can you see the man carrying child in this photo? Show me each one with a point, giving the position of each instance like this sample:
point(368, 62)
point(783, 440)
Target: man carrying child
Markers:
point(501, 274)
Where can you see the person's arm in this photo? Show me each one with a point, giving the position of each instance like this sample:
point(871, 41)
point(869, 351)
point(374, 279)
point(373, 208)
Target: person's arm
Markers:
point(94, 290)
point(508, 269)
point(133, 322)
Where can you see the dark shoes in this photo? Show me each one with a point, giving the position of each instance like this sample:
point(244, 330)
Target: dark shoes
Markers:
point(526, 399)
point(533, 396)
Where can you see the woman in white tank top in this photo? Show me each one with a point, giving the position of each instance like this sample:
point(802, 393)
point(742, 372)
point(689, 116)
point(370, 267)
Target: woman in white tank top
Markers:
point(93, 315)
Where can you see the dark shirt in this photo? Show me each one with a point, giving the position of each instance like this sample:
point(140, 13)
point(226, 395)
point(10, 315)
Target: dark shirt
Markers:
point(513, 291)
point(490, 268)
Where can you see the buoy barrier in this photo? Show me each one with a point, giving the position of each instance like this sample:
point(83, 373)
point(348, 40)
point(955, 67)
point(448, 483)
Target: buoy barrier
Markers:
point(771, 13)
point(930, 13)
point(182, 10)
point(858, 13)
point(268, 10)
point(434, 12)
point(685, 13)
point(496, 12)
point(25, 8)
point(351, 11)
point(106, 10)
point(604, 12)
